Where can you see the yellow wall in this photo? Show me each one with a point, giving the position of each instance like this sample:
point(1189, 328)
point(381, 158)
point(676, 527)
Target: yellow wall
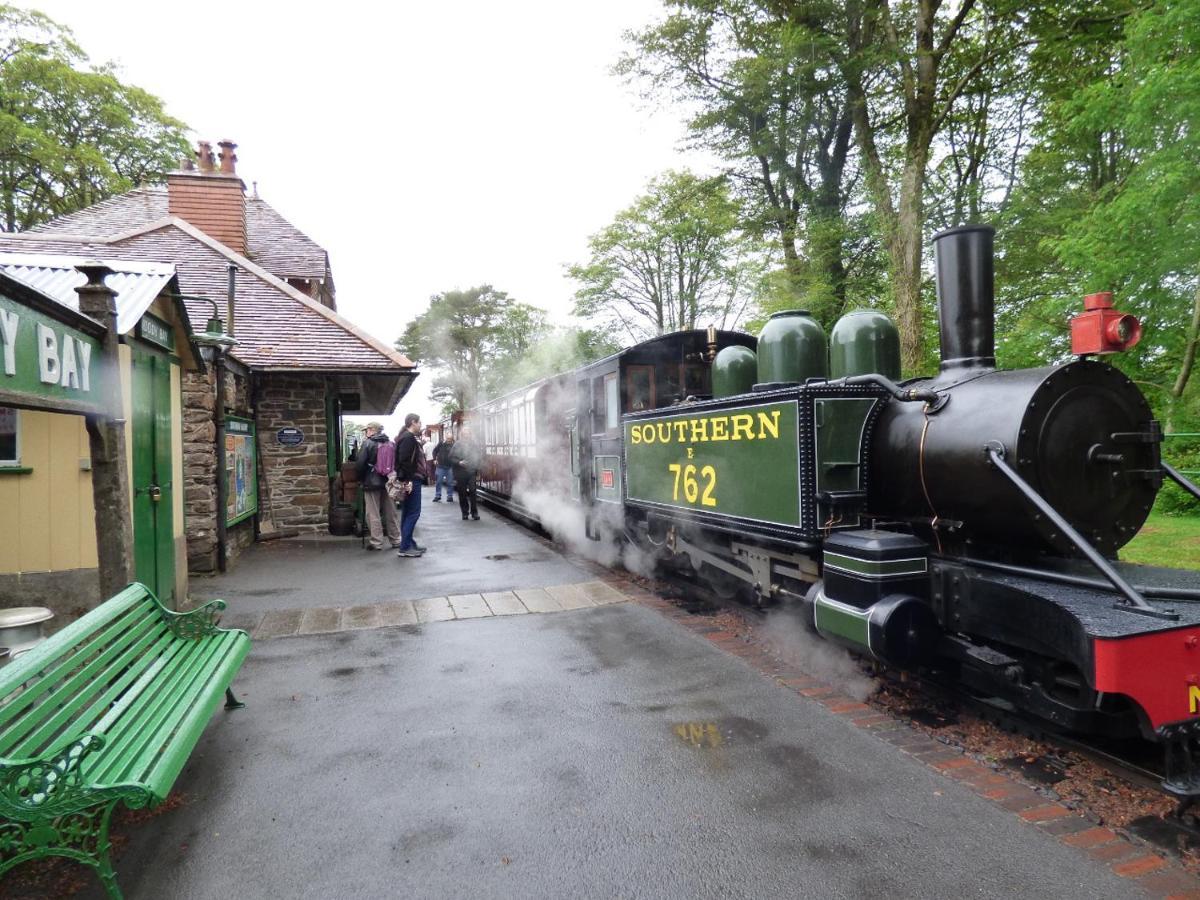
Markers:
point(47, 521)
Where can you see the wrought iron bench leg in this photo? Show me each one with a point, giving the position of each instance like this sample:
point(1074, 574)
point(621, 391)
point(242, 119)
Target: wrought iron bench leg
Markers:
point(232, 702)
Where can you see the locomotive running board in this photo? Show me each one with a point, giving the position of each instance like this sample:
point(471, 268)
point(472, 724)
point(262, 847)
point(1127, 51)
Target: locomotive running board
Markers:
point(1135, 602)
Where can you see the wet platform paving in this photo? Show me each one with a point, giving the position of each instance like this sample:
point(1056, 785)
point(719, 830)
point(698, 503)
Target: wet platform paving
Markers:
point(574, 746)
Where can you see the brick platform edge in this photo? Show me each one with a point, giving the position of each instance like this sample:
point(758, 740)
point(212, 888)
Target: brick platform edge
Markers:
point(1128, 857)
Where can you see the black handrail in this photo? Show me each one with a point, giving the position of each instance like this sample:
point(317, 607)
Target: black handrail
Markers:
point(1135, 602)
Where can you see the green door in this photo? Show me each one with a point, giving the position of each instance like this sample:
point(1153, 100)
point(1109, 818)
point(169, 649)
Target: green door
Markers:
point(153, 519)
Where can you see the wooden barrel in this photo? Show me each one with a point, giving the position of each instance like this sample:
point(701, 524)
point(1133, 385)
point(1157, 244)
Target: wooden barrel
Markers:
point(341, 519)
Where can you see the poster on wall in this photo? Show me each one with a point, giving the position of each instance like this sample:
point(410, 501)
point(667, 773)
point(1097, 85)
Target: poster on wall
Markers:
point(241, 473)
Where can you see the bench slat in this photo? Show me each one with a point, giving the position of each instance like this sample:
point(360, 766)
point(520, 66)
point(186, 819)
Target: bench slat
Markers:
point(29, 664)
point(68, 656)
point(62, 729)
point(80, 674)
point(138, 729)
point(188, 731)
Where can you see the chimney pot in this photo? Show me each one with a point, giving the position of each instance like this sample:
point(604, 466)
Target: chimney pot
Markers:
point(228, 157)
point(187, 164)
point(205, 156)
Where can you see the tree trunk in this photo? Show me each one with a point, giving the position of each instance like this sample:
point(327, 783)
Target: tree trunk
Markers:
point(1189, 353)
point(904, 248)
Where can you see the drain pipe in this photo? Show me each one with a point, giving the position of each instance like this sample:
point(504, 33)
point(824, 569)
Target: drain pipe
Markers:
point(222, 487)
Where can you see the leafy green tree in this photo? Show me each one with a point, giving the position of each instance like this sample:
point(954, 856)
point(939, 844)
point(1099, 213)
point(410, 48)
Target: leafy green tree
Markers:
point(672, 260)
point(1143, 236)
point(768, 99)
point(559, 350)
point(71, 133)
point(469, 337)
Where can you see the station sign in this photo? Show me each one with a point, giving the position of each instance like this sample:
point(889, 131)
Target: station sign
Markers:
point(154, 330)
point(738, 462)
point(45, 363)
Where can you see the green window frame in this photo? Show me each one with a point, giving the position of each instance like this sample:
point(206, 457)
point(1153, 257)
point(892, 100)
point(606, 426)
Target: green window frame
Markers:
point(10, 438)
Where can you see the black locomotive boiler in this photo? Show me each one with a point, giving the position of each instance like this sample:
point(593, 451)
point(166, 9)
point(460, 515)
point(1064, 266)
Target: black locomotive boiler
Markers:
point(968, 522)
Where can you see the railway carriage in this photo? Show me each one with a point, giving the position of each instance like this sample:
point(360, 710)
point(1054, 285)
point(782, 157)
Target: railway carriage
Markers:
point(968, 523)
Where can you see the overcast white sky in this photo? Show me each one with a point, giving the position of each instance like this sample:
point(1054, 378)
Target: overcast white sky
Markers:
point(426, 146)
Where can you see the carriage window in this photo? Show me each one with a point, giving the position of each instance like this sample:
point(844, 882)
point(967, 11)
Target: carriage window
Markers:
point(639, 388)
point(612, 403)
point(9, 454)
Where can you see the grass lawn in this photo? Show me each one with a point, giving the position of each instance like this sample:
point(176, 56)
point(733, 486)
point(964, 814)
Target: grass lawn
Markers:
point(1166, 541)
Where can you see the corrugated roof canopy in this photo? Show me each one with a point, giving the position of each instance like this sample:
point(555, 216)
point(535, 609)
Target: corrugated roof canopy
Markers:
point(136, 282)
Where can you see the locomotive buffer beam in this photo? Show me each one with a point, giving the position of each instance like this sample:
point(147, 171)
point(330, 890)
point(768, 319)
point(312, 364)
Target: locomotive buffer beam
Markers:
point(995, 453)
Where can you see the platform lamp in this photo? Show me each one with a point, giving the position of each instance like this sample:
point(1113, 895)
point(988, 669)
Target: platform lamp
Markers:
point(214, 344)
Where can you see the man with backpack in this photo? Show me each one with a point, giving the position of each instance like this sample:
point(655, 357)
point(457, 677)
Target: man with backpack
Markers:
point(376, 461)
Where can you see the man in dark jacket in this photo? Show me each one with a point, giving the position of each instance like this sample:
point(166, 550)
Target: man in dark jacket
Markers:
point(409, 461)
point(466, 458)
point(443, 474)
point(380, 510)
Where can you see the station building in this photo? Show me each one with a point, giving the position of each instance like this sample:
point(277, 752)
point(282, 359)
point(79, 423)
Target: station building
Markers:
point(259, 396)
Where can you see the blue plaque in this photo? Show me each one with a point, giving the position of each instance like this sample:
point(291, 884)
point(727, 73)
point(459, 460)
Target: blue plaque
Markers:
point(289, 436)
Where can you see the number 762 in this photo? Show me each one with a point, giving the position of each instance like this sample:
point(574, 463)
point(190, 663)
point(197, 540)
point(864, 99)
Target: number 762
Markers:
point(691, 485)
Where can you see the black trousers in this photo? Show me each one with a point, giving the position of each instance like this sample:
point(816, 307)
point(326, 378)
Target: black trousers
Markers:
point(465, 485)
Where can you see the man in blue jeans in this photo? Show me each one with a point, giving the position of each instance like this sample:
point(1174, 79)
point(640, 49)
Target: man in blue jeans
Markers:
point(443, 473)
point(409, 457)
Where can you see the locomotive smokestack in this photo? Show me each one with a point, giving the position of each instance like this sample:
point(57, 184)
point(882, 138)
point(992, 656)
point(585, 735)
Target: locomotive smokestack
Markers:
point(963, 260)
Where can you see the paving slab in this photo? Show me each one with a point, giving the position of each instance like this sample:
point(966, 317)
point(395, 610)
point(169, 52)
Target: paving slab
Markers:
point(600, 593)
point(361, 617)
point(537, 600)
point(569, 596)
point(320, 620)
point(491, 555)
point(595, 753)
point(504, 603)
point(433, 609)
point(398, 613)
point(279, 622)
point(469, 606)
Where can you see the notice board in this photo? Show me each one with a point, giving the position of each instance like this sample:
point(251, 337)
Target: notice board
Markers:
point(241, 473)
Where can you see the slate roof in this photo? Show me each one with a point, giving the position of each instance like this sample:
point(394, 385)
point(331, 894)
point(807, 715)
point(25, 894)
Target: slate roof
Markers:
point(271, 240)
point(276, 326)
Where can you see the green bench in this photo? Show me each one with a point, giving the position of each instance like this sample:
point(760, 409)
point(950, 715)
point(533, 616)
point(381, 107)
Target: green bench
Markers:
point(107, 710)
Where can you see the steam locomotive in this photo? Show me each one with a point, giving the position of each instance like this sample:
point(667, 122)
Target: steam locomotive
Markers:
point(968, 522)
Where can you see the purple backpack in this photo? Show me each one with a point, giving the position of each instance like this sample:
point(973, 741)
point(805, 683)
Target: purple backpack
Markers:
point(385, 459)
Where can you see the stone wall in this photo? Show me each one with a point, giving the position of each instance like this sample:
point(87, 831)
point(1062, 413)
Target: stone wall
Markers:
point(294, 487)
point(200, 468)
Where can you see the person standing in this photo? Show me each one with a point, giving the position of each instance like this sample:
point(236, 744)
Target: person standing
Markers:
point(466, 458)
point(409, 462)
point(442, 472)
point(379, 508)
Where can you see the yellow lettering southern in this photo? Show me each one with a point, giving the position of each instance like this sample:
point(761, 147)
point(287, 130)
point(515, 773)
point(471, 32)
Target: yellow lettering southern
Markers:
point(635, 434)
point(664, 432)
point(647, 434)
point(680, 430)
point(768, 422)
point(718, 429)
point(1193, 698)
point(743, 427)
point(699, 430)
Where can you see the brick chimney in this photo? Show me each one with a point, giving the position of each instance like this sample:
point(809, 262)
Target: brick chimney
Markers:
point(211, 199)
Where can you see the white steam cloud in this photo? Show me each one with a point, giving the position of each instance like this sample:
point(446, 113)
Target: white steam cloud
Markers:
point(786, 636)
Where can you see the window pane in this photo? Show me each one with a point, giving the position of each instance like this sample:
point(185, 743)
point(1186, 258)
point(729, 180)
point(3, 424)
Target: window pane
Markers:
point(612, 403)
point(8, 435)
